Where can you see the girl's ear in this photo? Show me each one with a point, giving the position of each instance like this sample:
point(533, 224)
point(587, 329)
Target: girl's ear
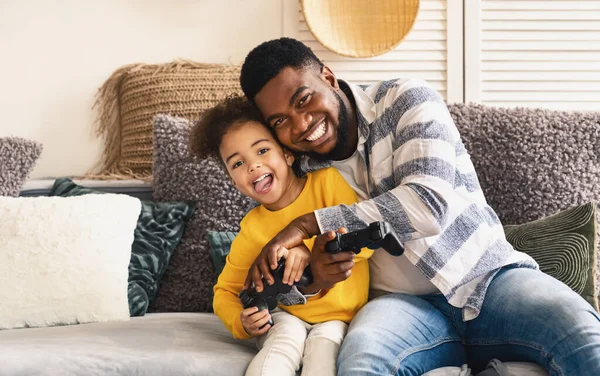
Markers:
point(289, 157)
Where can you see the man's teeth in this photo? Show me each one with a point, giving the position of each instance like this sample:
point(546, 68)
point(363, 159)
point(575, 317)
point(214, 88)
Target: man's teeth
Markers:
point(261, 178)
point(320, 131)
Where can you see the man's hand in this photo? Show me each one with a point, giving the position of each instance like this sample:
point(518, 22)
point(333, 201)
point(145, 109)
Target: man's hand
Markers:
point(253, 319)
point(303, 227)
point(328, 269)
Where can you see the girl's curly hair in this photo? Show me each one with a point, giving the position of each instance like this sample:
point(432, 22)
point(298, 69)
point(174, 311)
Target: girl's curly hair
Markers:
point(208, 132)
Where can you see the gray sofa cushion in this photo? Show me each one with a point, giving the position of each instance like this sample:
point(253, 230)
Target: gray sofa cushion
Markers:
point(17, 158)
point(155, 344)
point(187, 286)
point(531, 162)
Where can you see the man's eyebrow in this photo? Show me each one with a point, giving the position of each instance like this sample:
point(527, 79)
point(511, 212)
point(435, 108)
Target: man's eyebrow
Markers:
point(296, 93)
point(253, 144)
point(292, 100)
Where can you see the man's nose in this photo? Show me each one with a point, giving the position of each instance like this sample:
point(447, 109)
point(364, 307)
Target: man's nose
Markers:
point(301, 122)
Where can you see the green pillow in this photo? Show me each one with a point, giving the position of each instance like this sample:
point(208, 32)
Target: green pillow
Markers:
point(564, 245)
point(159, 229)
point(220, 245)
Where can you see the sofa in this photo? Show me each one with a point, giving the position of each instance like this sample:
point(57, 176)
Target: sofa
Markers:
point(532, 164)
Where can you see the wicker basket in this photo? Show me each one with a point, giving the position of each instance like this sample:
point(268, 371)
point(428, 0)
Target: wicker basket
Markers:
point(360, 28)
point(134, 94)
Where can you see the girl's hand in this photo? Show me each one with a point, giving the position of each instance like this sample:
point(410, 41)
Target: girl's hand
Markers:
point(253, 319)
point(296, 260)
point(303, 227)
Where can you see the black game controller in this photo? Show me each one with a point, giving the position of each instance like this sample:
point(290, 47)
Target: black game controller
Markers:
point(267, 298)
point(377, 235)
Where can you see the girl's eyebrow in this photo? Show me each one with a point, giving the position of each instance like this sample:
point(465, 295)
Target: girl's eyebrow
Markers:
point(259, 141)
point(253, 144)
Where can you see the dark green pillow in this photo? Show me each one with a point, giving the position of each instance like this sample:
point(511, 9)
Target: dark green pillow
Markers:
point(159, 229)
point(564, 245)
point(220, 245)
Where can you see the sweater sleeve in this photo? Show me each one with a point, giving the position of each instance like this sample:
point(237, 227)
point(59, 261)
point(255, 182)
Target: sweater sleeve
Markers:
point(415, 127)
point(226, 303)
point(339, 192)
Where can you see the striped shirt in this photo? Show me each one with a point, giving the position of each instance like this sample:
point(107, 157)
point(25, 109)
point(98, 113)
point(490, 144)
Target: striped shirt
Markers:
point(417, 175)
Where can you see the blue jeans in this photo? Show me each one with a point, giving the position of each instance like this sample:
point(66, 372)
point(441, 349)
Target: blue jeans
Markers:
point(526, 316)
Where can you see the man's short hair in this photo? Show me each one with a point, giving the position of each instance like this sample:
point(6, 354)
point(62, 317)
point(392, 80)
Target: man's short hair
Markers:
point(269, 58)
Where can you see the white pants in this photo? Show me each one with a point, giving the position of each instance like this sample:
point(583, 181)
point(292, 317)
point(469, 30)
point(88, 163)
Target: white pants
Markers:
point(292, 342)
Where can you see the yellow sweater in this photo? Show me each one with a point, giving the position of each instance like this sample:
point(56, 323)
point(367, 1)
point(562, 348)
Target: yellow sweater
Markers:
point(323, 188)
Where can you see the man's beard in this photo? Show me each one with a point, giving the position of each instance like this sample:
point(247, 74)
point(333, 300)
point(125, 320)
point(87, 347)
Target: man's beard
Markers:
point(339, 150)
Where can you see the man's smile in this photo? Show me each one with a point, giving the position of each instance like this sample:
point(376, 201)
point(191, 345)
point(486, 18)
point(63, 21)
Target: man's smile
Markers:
point(318, 134)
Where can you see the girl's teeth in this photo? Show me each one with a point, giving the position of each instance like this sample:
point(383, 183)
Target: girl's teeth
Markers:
point(261, 178)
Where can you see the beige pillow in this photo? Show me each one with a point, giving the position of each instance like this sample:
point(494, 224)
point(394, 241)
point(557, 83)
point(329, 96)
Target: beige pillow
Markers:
point(65, 260)
point(131, 97)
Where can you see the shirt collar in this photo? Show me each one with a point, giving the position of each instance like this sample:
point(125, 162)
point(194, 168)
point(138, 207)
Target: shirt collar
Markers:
point(365, 110)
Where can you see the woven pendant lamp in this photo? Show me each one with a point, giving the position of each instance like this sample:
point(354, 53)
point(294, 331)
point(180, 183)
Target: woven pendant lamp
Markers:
point(360, 28)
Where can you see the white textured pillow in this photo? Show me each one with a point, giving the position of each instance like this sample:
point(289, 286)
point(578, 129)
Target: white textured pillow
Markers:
point(65, 260)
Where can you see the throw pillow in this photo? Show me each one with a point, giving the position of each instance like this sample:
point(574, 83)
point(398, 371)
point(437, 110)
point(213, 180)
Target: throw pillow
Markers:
point(159, 229)
point(64, 260)
point(17, 158)
point(220, 245)
point(188, 283)
point(564, 245)
point(135, 93)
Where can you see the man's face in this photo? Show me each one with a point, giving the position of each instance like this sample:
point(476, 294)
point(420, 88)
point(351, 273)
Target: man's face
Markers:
point(306, 112)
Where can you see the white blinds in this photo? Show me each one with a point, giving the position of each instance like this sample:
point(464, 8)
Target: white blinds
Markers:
point(538, 53)
point(425, 53)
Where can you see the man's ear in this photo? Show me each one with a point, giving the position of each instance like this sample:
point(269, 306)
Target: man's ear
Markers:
point(328, 76)
point(289, 157)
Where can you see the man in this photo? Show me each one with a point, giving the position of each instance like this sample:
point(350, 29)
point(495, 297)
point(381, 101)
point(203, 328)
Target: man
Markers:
point(460, 293)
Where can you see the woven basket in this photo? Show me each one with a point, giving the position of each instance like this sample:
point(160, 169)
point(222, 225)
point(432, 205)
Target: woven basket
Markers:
point(360, 28)
point(134, 94)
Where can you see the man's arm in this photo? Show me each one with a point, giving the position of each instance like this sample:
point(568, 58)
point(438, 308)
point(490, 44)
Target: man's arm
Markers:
point(328, 269)
point(423, 138)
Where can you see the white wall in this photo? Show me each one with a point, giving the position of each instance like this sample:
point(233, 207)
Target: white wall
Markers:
point(55, 54)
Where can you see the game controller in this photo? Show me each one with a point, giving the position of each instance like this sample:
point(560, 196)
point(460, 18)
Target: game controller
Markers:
point(376, 235)
point(268, 297)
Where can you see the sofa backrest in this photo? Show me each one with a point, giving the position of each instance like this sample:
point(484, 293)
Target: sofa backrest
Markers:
point(532, 162)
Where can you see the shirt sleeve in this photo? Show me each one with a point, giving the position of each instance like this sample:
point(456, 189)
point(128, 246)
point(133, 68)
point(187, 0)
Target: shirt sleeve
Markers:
point(226, 302)
point(422, 142)
point(341, 194)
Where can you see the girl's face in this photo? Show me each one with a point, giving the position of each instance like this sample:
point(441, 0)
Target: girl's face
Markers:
point(259, 168)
